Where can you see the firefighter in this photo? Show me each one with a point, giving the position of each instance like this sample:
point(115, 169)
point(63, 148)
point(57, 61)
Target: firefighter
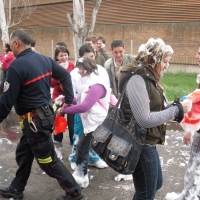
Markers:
point(27, 87)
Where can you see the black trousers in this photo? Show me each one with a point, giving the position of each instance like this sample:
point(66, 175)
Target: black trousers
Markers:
point(70, 120)
point(3, 77)
point(39, 145)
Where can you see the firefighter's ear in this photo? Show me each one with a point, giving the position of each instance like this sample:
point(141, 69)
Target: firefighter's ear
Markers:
point(17, 43)
point(14, 43)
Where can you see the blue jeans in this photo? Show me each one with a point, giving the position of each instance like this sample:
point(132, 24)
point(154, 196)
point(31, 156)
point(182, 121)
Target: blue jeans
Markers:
point(147, 177)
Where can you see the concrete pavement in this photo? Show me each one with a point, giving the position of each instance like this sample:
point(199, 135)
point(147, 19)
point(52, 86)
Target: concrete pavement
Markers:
point(102, 186)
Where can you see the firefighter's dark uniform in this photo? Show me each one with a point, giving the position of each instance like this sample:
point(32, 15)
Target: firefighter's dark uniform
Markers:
point(27, 87)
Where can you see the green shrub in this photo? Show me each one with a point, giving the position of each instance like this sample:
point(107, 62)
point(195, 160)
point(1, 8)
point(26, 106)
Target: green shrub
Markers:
point(178, 85)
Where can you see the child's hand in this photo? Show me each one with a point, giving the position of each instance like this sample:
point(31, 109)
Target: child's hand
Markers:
point(103, 45)
point(58, 111)
point(187, 138)
point(59, 100)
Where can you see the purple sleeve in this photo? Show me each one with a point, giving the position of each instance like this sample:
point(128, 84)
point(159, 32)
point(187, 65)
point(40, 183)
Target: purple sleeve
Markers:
point(74, 101)
point(95, 93)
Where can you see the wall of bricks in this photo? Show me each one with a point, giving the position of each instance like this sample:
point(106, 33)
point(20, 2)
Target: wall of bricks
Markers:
point(183, 37)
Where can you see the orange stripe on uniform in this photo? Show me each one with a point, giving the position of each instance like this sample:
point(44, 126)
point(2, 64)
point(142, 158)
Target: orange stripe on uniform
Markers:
point(38, 78)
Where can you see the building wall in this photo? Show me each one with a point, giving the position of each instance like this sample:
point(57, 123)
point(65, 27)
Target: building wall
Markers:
point(183, 37)
point(52, 13)
point(176, 23)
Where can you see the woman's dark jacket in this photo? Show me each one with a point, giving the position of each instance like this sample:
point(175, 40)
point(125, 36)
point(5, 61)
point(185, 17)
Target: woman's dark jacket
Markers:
point(155, 135)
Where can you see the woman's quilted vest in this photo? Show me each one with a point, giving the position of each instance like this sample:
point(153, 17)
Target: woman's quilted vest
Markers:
point(155, 135)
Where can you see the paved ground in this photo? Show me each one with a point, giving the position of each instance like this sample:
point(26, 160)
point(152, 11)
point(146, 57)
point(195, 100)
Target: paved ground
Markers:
point(102, 184)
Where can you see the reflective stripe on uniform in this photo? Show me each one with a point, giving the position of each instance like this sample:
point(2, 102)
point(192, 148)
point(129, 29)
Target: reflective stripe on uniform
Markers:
point(54, 107)
point(29, 117)
point(45, 160)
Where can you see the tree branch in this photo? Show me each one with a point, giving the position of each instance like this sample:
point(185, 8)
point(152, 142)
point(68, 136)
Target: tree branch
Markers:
point(94, 16)
point(70, 18)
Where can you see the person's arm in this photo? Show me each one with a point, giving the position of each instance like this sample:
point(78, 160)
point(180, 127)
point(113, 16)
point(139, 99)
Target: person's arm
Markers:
point(63, 76)
point(139, 102)
point(54, 82)
point(2, 56)
point(95, 92)
point(7, 60)
point(108, 69)
point(8, 99)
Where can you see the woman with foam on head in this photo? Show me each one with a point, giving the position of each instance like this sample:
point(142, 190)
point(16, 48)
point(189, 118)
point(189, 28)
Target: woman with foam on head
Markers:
point(145, 102)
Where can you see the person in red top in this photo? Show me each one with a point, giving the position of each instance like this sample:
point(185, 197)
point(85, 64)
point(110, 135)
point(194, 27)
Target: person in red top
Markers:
point(61, 57)
point(5, 61)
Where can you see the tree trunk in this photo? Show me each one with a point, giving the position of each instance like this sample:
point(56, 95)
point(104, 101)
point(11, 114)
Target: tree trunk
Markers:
point(77, 42)
point(22, 12)
point(78, 25)
point(4, 27)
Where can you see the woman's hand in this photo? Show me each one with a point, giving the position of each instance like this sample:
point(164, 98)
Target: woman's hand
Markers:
point(187, 138)
point(61, 110)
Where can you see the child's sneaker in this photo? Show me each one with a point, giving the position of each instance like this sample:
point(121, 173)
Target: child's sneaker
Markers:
point(73, 165)
point(99, 164)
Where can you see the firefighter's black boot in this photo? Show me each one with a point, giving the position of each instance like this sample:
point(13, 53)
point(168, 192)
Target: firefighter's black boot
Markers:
point(11, 193)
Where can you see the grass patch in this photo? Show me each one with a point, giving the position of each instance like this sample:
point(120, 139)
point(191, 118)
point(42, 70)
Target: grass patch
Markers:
point(178, 85)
